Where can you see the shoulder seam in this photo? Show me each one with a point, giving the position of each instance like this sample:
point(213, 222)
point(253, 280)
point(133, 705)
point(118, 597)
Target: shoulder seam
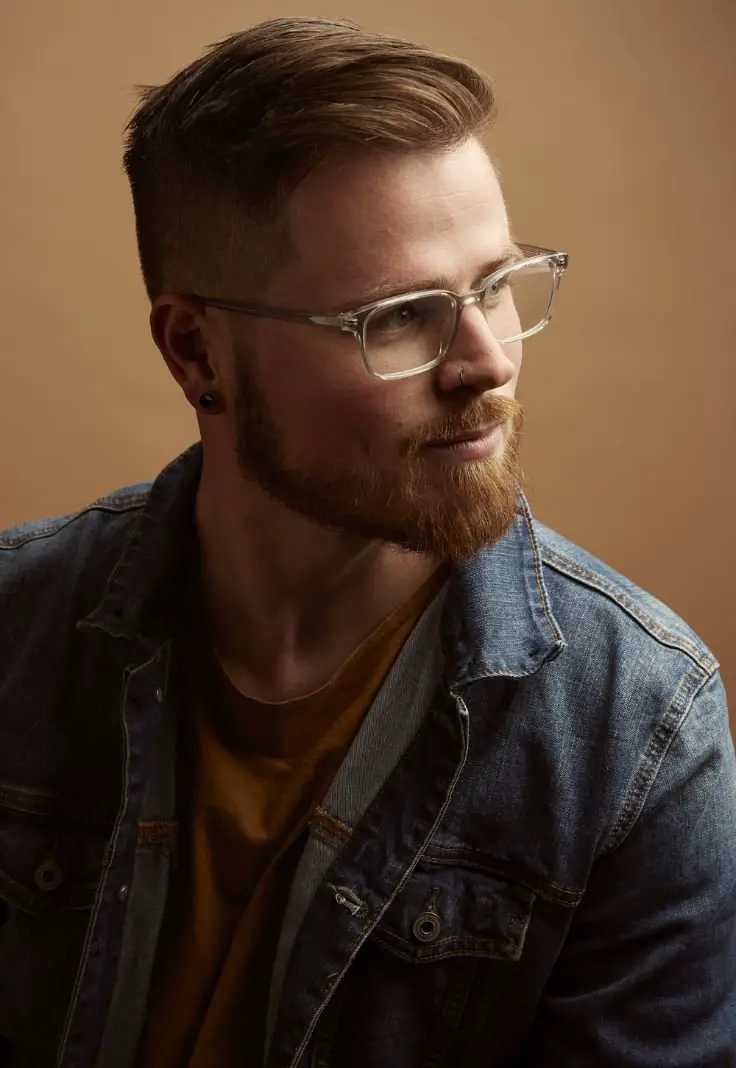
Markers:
point(54, 526)
point(691, 685)
point(563, 564)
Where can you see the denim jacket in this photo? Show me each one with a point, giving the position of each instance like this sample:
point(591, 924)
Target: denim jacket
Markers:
point(526, 859)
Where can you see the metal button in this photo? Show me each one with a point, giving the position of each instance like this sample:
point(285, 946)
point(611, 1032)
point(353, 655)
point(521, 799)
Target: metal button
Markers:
point(159, 694)
point(48, 876)
point(123, 892)
point(426, 927)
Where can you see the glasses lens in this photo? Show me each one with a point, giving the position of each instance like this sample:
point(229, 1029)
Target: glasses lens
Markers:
point(520, 303)
point(410, 334)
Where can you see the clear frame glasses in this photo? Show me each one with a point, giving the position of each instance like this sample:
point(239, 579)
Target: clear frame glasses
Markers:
point(408, 334)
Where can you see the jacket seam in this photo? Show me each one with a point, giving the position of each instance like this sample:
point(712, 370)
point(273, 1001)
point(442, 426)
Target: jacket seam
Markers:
point(104, 877)
point(55, 526)
point(536, 557)
point(367, 929)
point(552, 892)
point(449, 948)
point(666, 636)
point(691, 684)
point(50, 807)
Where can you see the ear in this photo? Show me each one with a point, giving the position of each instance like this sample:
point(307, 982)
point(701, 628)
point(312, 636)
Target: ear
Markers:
point(185, 336)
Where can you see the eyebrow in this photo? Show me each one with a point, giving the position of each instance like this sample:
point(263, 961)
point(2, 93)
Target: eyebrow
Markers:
point(510, 254)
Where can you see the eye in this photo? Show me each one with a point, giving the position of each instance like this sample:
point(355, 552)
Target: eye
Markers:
point(495, 291)
point(394, 319)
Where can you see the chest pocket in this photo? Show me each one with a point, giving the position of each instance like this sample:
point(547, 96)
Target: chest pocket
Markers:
point(50, 857)
point(455, 912)
point(50, 864)
point(440, 964)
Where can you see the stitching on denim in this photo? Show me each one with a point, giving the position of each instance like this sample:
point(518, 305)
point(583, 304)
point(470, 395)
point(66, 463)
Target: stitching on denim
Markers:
point(112, 579)
point(346, 897)
point(20, 896)
point(658, 630)
point(51, 807)
point(497, 673)
point(367, 928)
point(57, 525)
point(540, 581)
point(571, 897)
point(105, 872)
point(653, 757)
point(71, 897)
point(519, 926)
point(488, 947)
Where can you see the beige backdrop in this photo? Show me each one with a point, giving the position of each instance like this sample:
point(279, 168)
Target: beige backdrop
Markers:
point(616, 143)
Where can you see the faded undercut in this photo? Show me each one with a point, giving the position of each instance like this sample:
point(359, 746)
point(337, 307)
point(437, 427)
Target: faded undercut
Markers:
point(213, 154)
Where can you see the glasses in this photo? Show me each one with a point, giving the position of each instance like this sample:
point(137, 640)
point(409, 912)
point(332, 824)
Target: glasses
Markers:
point(411, 333)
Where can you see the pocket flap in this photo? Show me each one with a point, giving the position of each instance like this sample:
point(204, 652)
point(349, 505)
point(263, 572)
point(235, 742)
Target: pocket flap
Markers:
point(46, 861)
point(453, 911)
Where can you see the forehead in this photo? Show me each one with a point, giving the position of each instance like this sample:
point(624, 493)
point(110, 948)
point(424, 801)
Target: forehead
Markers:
point(363, 219)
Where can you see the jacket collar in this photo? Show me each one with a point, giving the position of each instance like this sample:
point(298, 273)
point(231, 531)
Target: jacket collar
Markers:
point(142, 595)
point(497, 620)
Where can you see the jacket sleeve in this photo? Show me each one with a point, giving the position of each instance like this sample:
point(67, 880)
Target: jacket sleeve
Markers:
point(647, 977)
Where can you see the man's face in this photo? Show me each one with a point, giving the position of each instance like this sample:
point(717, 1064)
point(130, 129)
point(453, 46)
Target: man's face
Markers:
point(350, 450)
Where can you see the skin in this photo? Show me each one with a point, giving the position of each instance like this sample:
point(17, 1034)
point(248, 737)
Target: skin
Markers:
point(298, 561)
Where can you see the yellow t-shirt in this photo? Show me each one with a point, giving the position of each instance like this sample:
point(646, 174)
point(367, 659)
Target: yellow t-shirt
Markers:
point(255, 772)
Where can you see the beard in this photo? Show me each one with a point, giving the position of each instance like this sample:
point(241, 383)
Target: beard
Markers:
point(449, 511)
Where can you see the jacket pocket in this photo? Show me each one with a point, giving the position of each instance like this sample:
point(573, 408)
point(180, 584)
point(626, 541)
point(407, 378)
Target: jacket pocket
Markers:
point(46, 863)
point(456, 913)
point(442, 959)
point(50, 862)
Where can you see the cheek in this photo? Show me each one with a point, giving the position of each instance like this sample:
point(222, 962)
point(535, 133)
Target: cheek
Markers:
point(381, 417)
point(334, 418)
point(325, 405)
point(362, 426)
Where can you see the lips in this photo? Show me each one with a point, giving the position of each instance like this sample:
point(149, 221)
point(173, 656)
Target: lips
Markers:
point(466, 435)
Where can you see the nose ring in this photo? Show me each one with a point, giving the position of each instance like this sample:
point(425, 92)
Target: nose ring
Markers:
point(461, 377)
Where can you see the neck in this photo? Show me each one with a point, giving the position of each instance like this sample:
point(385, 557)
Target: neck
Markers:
point(289, 600)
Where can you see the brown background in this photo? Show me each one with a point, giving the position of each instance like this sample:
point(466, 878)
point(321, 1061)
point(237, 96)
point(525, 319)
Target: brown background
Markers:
point(616, 143)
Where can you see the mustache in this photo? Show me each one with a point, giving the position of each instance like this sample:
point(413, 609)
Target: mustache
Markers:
point(484, 412)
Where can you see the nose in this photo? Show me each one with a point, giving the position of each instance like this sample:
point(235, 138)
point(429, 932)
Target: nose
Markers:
point(486, 363)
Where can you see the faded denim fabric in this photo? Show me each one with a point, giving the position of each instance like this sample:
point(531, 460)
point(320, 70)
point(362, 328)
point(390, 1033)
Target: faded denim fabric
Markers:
point(527, 859)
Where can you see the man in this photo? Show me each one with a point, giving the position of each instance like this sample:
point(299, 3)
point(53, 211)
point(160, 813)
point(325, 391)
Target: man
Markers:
point(319, 750)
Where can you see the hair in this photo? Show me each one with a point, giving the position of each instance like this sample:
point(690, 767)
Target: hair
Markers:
point(213, 154)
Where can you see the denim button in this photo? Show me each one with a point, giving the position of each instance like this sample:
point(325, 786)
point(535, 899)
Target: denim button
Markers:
point(48, 876)
point(426, 927)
